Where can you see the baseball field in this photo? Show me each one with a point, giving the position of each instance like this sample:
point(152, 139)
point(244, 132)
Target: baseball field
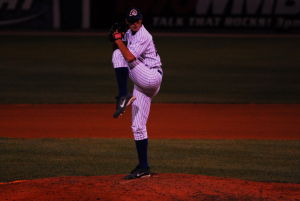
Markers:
point(225, 125)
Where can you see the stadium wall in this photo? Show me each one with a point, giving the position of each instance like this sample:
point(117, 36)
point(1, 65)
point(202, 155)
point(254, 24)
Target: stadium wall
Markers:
point(195, 15)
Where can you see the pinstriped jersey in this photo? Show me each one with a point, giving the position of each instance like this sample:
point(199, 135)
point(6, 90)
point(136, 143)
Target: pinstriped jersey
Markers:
point(141, 45)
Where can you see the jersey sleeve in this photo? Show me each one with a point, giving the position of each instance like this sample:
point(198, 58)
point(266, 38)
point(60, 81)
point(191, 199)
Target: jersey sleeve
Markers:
point(138, 47)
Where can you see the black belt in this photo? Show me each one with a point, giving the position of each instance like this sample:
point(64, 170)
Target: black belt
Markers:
point(159, 70)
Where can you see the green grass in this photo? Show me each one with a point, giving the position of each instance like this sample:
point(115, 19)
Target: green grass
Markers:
point(276, 161)
point(70, 69)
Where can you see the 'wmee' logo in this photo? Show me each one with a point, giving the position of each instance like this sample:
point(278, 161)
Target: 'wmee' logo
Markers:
point(248, 7)
point(18, 11)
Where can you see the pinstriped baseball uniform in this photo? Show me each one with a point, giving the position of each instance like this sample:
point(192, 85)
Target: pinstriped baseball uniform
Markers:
point(146, 74)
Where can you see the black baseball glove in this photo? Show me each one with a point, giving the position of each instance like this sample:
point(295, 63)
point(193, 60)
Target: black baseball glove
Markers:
point(116, 27)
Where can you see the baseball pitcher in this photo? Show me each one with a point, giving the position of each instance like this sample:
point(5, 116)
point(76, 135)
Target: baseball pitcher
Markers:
point(135, 56)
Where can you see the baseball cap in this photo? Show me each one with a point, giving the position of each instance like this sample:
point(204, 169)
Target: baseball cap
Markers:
point(133, 15)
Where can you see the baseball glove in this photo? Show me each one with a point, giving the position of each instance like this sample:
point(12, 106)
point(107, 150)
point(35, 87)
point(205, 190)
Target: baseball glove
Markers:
point(116, 27)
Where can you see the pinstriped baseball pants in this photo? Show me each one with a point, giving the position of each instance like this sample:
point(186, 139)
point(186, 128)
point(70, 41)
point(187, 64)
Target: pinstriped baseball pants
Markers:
point(146, 85)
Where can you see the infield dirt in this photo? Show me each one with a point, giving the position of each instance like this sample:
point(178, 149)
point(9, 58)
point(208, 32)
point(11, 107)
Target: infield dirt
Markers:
point(167, 121)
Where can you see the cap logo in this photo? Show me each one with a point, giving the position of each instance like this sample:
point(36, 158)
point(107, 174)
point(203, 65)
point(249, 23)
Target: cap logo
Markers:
point(133, 12)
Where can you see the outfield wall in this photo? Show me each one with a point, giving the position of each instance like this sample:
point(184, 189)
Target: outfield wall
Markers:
point(208, 15)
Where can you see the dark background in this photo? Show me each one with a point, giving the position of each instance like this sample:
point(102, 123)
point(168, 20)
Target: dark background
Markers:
point(59, 66)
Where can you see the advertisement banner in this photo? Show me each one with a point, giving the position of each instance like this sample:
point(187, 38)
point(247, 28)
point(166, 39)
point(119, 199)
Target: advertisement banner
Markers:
point(215, 14)
point(158, 14)
point(266, 14)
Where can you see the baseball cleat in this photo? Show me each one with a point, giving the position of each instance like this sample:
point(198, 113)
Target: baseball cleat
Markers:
point(122, 103)
point(138, 173)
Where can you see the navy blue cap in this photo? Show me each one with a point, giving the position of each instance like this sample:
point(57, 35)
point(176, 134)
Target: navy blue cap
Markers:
point(133, 15)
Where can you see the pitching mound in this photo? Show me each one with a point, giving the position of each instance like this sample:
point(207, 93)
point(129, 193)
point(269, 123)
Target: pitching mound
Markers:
point(158, 187)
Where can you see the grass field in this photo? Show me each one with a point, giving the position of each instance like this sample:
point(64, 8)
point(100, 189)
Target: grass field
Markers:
point(77, 69)
point(246, 159)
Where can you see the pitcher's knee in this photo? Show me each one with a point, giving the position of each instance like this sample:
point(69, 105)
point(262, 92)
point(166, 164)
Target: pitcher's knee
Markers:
point(139, 133)
point(118, 59)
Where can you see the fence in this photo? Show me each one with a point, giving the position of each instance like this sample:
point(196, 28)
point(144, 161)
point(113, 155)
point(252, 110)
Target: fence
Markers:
point(211, 15)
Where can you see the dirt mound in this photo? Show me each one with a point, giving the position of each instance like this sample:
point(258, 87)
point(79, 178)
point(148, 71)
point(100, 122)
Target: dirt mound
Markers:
point(158, 187)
